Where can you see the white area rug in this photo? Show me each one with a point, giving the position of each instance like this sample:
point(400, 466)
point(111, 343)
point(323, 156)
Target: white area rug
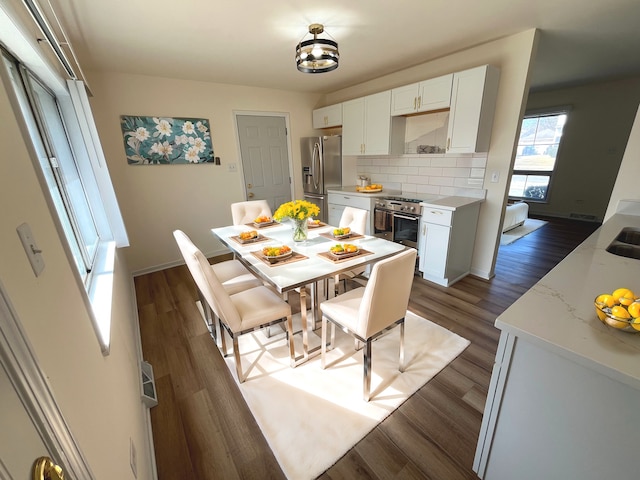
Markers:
point(530, 225)
point(312, 417)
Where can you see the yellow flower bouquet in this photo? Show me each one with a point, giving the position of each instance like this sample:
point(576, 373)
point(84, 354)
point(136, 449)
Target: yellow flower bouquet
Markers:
point(299, 211)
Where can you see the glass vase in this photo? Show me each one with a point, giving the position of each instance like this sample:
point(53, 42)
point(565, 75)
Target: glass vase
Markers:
point(300, 229)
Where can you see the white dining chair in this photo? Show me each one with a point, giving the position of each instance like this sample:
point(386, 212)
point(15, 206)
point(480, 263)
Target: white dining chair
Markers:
point(233, 276)
point(246, 212)
point(368, 312)
point(356, 219)
point(241, 312)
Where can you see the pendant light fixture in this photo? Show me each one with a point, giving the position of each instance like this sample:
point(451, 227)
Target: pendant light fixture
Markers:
point(317, 55)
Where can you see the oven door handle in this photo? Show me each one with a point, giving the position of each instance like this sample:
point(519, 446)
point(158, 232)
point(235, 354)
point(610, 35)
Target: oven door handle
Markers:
point(405, 217)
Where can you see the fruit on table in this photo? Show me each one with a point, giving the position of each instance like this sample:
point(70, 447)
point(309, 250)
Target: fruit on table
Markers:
point(262, 219)
point(275, 251)
point(314, 222)
point(341, 231)
point(248, 235)
point(346, 248)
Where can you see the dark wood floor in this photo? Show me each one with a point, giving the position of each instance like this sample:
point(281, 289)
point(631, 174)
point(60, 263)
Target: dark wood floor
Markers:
point(204, 430)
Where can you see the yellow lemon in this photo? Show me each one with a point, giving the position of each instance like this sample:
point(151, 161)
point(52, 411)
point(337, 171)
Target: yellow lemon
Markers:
point(634, 309)
point(636, 323)
point(624, 296)
point(620, 312)
point(606, 300)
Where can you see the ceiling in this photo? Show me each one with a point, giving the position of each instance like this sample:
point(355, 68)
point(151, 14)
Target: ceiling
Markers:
point(249, 42)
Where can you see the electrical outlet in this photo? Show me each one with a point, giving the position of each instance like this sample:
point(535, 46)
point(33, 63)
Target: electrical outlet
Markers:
point(231, 167)
point(495, 176)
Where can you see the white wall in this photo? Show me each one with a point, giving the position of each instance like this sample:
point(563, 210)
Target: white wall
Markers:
point(626, 186)
point(157, 199)
point(592, 147)
point(99, 396)
point(513, 56)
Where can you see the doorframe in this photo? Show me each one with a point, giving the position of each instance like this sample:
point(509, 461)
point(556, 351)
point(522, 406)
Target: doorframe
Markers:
point(31, 385)
point(253, 113)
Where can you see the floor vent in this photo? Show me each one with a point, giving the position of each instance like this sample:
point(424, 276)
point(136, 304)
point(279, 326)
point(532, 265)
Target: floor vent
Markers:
point(582, 216)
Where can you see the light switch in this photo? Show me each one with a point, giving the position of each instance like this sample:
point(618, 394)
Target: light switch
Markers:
point(34, 254)
point(495, 176)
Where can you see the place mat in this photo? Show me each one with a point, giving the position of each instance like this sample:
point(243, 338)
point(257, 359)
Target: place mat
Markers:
point(296, 257)
point(258, 239)
point(352, 236)
point(331, 258)
point(260, 225)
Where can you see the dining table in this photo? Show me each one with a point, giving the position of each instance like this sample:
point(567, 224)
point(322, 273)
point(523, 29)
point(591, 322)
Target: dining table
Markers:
point(310, 262)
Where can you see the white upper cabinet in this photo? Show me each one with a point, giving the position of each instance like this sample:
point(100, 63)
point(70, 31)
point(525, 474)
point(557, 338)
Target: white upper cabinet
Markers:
point(473, 101)
point(432, 94)
point(366, 125)
point(326, 117)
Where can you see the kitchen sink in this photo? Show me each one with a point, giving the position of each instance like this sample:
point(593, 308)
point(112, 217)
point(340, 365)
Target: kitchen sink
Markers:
point(629, 235)
point(626, 243)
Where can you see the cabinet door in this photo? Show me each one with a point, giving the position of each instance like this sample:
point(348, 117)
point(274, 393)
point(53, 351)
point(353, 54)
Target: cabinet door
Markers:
point(404, 99)
point(335, 213)
point(330, 116)
point(377, 130)
point(435, 94)
point(436, 250)
point(473, 97)
point(353, 127)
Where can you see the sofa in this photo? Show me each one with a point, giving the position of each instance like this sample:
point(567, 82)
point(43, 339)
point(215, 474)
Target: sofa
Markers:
point(515, 214)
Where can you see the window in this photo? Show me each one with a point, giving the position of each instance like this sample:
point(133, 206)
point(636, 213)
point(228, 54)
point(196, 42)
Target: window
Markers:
point(535, 161)
point(51, 142)
point(58, 126)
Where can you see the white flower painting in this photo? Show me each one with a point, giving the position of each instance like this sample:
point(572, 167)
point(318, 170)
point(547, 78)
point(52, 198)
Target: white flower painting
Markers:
point(166, 141)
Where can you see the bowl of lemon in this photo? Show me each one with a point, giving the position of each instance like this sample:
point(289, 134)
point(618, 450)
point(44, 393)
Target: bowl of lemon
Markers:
point(619, 309)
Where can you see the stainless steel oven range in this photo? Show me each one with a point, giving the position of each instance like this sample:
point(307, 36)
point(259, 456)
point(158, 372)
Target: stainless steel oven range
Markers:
point(398, 219)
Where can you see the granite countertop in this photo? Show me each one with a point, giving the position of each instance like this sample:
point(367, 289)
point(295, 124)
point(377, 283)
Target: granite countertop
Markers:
point(427, 200)
point(558, 314)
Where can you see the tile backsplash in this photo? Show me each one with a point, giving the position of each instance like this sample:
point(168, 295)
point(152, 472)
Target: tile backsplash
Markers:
point(438, 174)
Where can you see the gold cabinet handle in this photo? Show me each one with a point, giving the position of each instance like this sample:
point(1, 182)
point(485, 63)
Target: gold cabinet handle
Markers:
point(45, 469)
point(419, 102)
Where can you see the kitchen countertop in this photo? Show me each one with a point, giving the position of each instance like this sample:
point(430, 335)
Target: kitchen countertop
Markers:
point(451, 203)
point(351, 190)
point(558, 314)
point(427, 200)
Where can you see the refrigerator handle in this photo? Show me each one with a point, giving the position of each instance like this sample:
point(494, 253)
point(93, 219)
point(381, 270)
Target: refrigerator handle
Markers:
point(315, 160)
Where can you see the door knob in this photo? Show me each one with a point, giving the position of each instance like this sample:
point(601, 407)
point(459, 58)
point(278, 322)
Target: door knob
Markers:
point(249, 185)
point(250, 195)
point(45, 469)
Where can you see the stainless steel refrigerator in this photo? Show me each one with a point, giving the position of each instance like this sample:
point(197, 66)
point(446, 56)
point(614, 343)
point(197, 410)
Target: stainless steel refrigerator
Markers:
point(321, 169)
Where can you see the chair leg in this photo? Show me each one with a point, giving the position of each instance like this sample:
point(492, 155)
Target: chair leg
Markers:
point(323, 344)
point(236, 355)
point(401, 360)
point(366, 386)
point(223, 338)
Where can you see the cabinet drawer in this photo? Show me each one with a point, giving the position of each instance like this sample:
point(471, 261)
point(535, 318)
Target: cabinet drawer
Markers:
point(350, 201)
point(437, 216)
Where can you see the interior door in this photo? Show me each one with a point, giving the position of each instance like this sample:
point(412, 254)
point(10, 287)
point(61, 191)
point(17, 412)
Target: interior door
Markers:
point(265, 158)
point(31, 421)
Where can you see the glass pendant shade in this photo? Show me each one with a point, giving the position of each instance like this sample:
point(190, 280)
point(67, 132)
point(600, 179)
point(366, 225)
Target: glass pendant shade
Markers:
point(318, 54)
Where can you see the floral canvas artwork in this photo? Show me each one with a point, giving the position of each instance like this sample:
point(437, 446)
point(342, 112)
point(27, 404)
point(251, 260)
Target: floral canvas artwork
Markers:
point(166, 140)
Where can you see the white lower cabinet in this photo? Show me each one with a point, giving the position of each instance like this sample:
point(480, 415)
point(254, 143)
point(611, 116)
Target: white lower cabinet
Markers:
point(445, 246)
point(338, 201)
